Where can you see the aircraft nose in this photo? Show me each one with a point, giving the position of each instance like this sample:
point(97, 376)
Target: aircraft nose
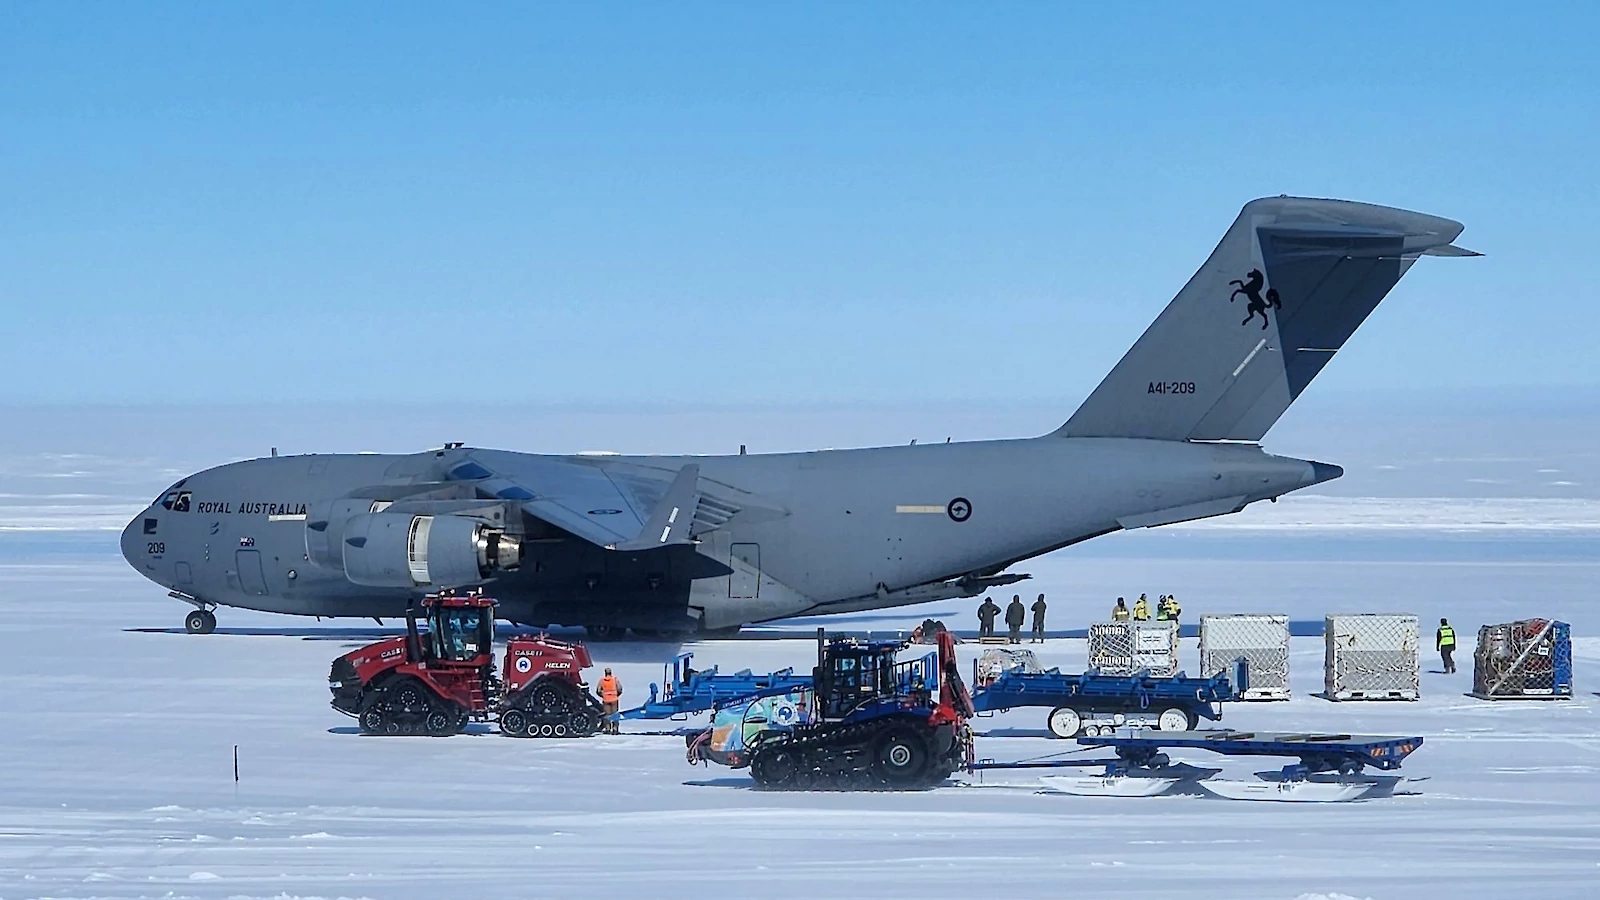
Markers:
point(130, 540)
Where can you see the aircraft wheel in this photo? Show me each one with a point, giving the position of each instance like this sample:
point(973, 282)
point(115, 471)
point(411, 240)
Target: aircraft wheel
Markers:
point(514, 722)
point(1064, 722)
point(1175, 719)
point(600, 633)
point(200, 621)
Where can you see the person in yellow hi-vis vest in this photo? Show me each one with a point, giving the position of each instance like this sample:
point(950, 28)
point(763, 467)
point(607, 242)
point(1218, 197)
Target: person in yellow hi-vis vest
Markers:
point(1173, 609)
point(1445, 641)
point(1141, 609)
point(1119, 613)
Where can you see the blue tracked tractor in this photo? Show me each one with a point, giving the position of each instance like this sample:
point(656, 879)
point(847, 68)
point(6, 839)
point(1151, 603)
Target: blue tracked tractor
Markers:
point(866, 722)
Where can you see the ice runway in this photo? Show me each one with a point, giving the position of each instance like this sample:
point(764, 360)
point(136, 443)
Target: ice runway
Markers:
point(118, 778)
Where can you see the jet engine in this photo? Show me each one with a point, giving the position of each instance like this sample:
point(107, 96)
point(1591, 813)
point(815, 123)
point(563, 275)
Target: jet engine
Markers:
point(401, 550)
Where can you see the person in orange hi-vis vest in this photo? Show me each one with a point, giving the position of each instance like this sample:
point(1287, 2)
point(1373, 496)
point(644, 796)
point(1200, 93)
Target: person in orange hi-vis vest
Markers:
point(610, 699)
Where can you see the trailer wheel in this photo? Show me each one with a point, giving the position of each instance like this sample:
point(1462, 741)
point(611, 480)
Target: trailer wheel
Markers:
point(1064, 722)
point(900, 757)
point(1175, 719)
point(514, 722)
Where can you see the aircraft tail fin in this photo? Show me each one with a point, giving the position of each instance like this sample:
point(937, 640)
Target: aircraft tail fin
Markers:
point(1287, 286)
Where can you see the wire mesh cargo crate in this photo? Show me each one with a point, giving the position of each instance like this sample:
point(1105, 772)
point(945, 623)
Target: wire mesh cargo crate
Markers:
point(1371, 656)
point(1123, 648)
point(1528, 659)
point(1262, 640)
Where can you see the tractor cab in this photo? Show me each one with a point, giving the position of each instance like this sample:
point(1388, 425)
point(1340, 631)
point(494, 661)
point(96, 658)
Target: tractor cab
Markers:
point(460, 630)
point(852, 672)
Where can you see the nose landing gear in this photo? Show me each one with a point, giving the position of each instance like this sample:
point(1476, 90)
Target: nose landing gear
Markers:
point(200, 621)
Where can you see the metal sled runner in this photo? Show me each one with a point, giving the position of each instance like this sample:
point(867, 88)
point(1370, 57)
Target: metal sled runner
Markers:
point(1330, 767)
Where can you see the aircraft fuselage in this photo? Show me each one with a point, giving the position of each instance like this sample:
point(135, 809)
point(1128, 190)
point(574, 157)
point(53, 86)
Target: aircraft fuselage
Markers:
point(832, 531)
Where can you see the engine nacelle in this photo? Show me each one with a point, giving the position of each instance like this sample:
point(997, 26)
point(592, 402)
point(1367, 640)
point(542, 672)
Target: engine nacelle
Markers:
point(401, 550)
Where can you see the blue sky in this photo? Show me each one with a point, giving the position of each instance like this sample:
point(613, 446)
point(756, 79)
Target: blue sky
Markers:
point(232, 203)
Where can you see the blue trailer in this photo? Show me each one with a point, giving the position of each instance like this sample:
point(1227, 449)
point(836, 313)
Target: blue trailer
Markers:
point(1329, 767)
point(687, 690)
point(1091, 704)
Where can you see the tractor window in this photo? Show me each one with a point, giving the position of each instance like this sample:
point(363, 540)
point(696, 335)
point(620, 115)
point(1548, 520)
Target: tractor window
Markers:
point(461, 634)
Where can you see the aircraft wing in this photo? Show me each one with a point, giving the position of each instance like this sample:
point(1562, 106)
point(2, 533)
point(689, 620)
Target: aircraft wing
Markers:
point(640, 511)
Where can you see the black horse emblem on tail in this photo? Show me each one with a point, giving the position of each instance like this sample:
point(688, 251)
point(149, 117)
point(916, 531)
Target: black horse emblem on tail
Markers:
point(1255, 301)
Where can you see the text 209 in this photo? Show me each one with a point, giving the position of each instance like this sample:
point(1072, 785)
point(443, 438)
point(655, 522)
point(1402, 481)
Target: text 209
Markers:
point(1171, 387)
point(155, 548)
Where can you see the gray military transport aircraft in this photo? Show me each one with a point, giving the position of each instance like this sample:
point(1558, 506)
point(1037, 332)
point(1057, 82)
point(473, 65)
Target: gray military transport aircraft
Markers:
point(679, 545)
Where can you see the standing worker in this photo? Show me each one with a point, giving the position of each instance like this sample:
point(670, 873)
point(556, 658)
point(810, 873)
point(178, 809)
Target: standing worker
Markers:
point(1119, 613)
point(1141, 609)
point(986, 614)
point(1445, 641)
point(1173, 609)
point(1038, 619)
point(1016, 614)
point(610, 699)
point(1161, 609)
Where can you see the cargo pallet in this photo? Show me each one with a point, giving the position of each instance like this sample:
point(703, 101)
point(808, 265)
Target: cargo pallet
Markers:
point(1542, 669)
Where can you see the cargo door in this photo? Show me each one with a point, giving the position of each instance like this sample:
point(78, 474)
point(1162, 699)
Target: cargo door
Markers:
point(744, 582)
point(251, 579)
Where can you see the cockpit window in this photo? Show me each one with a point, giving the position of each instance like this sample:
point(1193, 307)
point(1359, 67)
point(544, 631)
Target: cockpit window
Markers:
point(174, 499)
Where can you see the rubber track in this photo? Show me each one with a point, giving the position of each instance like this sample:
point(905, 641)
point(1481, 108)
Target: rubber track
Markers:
point(841, 758)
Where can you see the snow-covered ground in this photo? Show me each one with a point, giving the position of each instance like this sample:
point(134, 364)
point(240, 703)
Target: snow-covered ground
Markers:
point(116, 764)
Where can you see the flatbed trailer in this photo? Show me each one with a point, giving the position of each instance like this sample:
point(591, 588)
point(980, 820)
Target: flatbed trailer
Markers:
point(1091, 704)
point(1141, 762)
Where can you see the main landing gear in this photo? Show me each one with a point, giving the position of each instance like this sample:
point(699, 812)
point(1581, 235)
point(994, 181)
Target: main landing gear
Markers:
point(200, 621)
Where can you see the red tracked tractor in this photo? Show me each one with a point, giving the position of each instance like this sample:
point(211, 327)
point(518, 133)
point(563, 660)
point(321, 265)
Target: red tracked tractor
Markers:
point(435, 681)
point(545, 695)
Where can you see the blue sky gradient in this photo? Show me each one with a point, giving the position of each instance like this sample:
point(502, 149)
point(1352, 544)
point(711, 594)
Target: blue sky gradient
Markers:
point(292, 203)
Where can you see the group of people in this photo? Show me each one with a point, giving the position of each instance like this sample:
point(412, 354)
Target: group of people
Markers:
point(1016, 615)
point(1167, 609)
